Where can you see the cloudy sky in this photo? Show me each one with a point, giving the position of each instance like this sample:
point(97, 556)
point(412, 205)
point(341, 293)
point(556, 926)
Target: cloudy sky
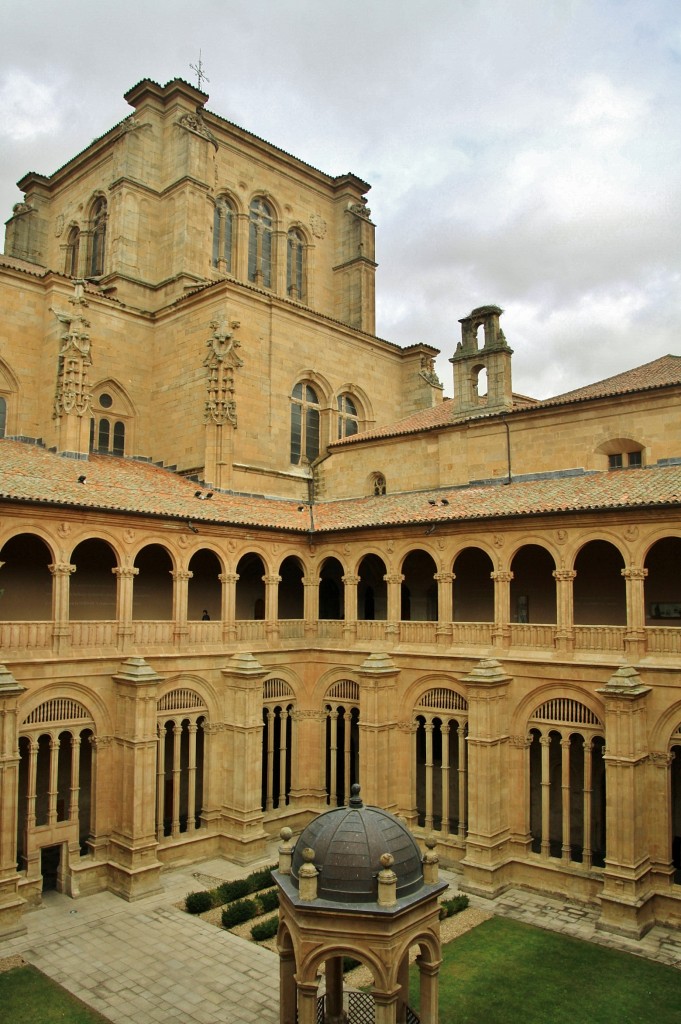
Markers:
point(521, 152)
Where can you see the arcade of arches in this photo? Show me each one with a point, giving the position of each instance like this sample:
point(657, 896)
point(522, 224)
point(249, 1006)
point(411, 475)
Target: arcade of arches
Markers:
point(273, 678)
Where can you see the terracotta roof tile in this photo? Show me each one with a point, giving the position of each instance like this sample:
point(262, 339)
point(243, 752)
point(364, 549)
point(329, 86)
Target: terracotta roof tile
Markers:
point(659, 373)
point(32, 474)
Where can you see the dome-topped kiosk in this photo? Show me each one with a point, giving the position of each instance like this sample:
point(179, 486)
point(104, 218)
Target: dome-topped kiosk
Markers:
point(356, 884)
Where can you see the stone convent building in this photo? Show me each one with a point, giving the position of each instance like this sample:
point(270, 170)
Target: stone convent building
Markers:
point(250, 556)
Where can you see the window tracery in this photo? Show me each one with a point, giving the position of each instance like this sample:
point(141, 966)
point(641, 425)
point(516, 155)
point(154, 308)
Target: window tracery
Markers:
point(305, 423)
point(348, 416)
point(260, 231)
point(295, 265)
point(98, 240)
point(224, 220)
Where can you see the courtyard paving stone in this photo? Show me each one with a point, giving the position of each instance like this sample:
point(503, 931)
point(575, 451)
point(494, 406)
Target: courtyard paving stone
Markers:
point(149, 961)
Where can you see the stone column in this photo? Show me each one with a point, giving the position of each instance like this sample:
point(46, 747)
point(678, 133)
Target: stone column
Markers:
point(272, 605)
point(333, 970)
point(181, 578)
point(311, 604)
point(519, 778)
point(429, 1012)
point(394, 611)
point(659, 775)
point(377, 728)
point(228, 613)
point(385, 1006)
point(627, 896)
point(287, 987)
point(445, 608)
point(241, 758)
point(134, 869)
point(61, 631)
point(635, 636)
point(488, 797)
point(564, 636)
point(124, 574)
point(307, 1002)
point(11, 904)
point(308, 783)
point(350, 583)
point(501, 630)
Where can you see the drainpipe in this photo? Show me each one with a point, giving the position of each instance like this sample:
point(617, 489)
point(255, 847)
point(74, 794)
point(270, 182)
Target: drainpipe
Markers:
point(508, 450)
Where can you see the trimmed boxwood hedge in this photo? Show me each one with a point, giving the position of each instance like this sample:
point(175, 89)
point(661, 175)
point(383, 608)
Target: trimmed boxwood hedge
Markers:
point(269, 900)
point(454, 906)
point(227, 892)
point(198, 902)
point(236, 913)
point(266, 929)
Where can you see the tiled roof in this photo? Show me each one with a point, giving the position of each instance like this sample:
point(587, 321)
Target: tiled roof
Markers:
point(29, 473)
point(659, 373)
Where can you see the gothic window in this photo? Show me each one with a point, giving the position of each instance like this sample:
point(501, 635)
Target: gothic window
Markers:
point(107, 428)
point(3, 416)
point(180, 763)
point(72, 252)
point(260, 243)
point(378, 484)
point(295, 265)
point(348, 417)
point(98, 243)
point(224, 220)
point(342, 746)
point(305, 419)
point(277, 743)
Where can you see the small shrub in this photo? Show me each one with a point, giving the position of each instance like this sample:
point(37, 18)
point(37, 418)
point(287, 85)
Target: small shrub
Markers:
point(454, 906)
point(198, 902)
point(236, 913)
point(269, 900)
point(229, 891)
point(261, 879)
point(266, 929)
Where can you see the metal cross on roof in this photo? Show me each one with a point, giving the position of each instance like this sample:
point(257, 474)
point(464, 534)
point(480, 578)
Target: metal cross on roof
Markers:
point(201, 76)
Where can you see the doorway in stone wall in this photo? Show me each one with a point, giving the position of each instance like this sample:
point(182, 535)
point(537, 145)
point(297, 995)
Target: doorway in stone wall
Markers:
point(50, 858)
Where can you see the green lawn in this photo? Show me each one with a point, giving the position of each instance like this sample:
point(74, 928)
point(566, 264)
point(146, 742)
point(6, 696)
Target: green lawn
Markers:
point(503, 972)
point(29, 997)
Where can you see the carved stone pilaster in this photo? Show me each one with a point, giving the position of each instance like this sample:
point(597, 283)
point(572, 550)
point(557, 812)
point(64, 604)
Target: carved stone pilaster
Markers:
point(221, 362)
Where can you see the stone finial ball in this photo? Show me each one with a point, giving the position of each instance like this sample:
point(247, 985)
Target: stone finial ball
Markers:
point(286, 833)
point(431, 841)
point(308, 854)
point(387, 860)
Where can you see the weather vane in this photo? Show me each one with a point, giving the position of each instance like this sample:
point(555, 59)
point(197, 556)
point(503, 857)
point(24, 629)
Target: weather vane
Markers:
point(200, 74)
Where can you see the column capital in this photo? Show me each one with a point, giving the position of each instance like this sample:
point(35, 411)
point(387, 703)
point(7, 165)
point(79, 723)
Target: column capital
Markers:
point(444, 577)
point(61, 568)
point(229, 577)
point(633, 572)
point(272, 579)
point(501, 576)
point(564, 575)
point(310, 581)
point(350, 580)
point(125, 572)
point(181, 574)
point(394, 577)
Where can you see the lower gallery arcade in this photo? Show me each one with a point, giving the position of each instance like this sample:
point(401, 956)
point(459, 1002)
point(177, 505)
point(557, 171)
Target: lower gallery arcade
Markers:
point(521, 687)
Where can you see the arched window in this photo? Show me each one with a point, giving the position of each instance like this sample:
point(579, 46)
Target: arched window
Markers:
point(3, 415)
point(304, 423)
point(378, 484)
point(295, 265)
point(223, 234)
point(260, 243)
point(107, 428)
point(98, 238)
point(348, 418)
point(72, 252)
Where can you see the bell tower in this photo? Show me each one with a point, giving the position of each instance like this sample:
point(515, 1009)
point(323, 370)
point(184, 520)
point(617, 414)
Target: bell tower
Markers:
point(482, 352)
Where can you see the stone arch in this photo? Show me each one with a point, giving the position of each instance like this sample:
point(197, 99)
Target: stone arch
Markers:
point(533, 588)
point(599, 590)
point(92, 591)
point(25, 579)
point(204, 591)
point(473, 589)
point(152, 594)
point(419, 587)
